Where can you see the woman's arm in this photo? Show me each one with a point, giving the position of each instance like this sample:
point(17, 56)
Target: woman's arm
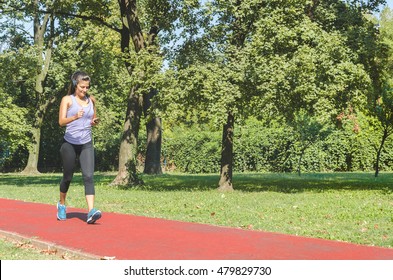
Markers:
point(95, 119)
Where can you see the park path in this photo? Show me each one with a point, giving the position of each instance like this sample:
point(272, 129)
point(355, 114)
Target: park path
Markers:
point(129, 237)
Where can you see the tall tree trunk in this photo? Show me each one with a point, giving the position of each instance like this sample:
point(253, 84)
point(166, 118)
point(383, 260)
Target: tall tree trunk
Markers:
point(34, 150)
point(129, 140)
point(379, 151)
point(240, 27)
point(43, 63)
point(153, 150)
point(131, 32)
point(154, 138)
point(225, 183)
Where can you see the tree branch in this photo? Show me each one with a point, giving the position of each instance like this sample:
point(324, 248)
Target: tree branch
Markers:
point(54, 12)
point(90, 18)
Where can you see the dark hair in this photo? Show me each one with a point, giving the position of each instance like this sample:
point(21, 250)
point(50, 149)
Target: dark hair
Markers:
point(76, 78)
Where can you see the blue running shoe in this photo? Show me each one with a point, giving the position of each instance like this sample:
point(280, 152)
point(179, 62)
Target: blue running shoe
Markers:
point(93, 216)
point(61, 212)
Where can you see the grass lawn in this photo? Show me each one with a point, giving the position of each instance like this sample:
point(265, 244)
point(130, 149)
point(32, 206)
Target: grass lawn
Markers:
point(353, 207)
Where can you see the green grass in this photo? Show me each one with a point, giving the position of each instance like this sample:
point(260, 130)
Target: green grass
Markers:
point(352, 207)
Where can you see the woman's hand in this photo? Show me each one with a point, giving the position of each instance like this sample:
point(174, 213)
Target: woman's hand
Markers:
point(95, 121)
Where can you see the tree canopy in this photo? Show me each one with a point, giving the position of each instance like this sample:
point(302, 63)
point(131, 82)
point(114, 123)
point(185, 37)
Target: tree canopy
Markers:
point(309, 65)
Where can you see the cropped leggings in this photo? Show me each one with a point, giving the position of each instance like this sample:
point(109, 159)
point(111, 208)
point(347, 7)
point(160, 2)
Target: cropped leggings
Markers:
point(69, 153)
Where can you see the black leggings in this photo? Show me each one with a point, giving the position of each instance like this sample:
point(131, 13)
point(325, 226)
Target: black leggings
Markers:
point(85, 152)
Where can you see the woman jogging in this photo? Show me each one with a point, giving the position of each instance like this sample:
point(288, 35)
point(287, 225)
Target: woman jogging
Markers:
point(78, 113)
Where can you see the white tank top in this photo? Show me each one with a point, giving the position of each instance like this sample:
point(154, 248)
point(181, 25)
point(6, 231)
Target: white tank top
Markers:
point(78, 132)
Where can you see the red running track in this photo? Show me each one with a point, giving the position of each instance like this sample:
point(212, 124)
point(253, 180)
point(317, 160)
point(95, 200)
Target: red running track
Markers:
point(129, 237)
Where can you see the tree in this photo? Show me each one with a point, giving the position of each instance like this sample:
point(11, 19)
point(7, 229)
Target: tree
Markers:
point(133, 38)
point(269, 58)
point(139, 44)
point(42, 44)
point(140, 55)
point(380, 105)
point(71, 43)
point(222, 72)
point(47, 31)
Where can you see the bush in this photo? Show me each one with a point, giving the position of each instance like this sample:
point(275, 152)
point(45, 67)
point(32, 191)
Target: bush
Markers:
point(192, 150)
point(261, 148)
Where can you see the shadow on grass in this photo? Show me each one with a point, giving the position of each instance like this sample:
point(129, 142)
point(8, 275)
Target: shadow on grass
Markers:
point(45, 180)
point(291, 183)
point(285, 183)
point(24, 180)
point(247, 182)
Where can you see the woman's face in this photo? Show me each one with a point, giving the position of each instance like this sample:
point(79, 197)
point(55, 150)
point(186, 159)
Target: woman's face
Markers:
point(81, 88)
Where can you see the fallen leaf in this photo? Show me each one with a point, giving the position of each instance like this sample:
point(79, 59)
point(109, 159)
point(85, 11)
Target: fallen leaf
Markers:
point(65, 257)
point(23, 245)
point(49, 252)
point(108, 258)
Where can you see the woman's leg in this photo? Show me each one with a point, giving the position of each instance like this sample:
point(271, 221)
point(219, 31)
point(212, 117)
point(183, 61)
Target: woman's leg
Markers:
point(68, 157)
point(86, 160)
point(87, 165)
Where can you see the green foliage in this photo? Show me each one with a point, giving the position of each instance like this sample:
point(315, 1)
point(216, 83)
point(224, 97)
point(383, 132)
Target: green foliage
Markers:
point(193, 150)
point(380, 108)
point(295, 63)
point(13, 127)
point(386, 34)
point(277, 147)
point(261, 148)
point(15, 98)
point(198, 94)
point(17, 79)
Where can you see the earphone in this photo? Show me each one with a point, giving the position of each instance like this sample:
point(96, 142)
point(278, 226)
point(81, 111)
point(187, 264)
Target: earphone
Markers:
point(79, 75)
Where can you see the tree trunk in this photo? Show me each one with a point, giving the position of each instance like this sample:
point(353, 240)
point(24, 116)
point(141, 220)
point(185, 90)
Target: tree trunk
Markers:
point(43, 63)
point(225, 183)
point(379, 151)
point(34, 149)
point(131, 30)
point(34, 152)
point(301, 155)
point(299, 164)
point(129, 140)
point(154, 137)
point(153, 150)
